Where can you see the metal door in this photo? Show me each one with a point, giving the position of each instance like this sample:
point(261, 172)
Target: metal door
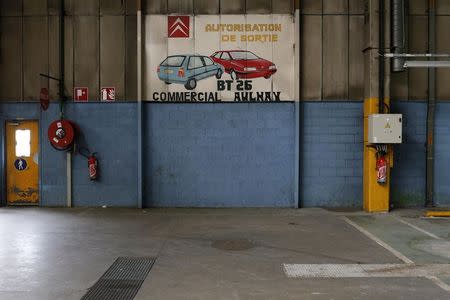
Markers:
point(22, 168)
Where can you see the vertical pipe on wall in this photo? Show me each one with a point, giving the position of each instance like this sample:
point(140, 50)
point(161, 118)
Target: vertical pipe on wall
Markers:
point(139, 105)
point(62, 99)
point(61, 50)
point(69, 178)
point(398, 33)
point(431, 104)
point(297, 106)
point(381, 61)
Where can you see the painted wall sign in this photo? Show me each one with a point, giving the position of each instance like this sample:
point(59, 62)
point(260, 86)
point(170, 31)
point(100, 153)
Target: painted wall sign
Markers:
point(242, 58)
point(80, 94)
point(20, 164)
point(108, 94)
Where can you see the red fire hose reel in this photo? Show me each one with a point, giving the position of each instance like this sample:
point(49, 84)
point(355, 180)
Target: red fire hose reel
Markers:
point(61, 134)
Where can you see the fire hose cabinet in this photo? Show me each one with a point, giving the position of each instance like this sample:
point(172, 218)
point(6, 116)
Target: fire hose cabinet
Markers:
point(385, 129)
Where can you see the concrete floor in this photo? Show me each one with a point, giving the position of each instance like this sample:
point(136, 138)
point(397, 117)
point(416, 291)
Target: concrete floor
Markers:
point(59, 253)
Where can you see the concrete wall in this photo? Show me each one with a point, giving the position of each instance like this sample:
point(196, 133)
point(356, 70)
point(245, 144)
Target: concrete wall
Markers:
point(109, 129)
point(332, 149)
point(195, 154)
point(233, 154)
point(408, 176)
point(220, 155)
point(331, 154)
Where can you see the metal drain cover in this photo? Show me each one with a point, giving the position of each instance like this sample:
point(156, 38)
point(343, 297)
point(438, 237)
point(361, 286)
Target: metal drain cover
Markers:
point(122, 280)
point(233, 245)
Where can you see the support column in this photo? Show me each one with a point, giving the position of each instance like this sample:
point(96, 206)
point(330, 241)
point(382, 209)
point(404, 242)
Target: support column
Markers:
point(376, 88)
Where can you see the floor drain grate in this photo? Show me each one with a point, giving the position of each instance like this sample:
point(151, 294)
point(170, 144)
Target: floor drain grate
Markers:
point(122, 280)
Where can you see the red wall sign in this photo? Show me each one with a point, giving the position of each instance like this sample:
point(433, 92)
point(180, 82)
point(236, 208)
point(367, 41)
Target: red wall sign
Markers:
point(108, 94)
point(178, 26)
point(45, 101)
point(80, 94)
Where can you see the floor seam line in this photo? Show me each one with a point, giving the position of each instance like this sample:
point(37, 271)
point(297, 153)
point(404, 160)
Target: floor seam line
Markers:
point(419, 229)
point(396, 253)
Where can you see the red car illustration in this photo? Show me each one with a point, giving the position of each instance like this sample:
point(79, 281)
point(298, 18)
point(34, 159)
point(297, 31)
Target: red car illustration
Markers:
point(244, 64)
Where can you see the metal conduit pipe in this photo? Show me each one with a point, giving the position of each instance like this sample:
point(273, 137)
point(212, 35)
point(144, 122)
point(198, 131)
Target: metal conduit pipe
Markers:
point(139, 105)
point(431, 107)
point(398, 33)
point(381, 62)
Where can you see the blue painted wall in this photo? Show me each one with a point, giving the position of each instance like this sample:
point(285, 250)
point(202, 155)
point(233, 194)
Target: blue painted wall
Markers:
point(408, 181)
point(331, 154)
point(442, 155)
point(408, 174)
point(109, 129)
point(220, 155)
point(233, 154)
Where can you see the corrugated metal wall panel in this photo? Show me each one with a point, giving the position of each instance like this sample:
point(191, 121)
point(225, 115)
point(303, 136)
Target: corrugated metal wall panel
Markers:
point(86, 7)
point(311, 58)
point(232, 6)
point(131, 7)
point(11, 8)
point(34, 8)
point(282, 6)
point(311, 6)
point(180, 6)
point(442, 46)
point(335, 6)
point(206, 7)
point(112, 7)
point(69, 55)
point(442, 7)
point(418, 7)
point(258, 6)
point(112, 54)
point(11, 58)
point(86, 54)
point(356, 6)
point(53, 7)
point(356, 58)
point(155, 6)
point(335, 57)
point(35, 55)
point(69, 6)
point(130, 58)
point(418, 43)
point(53, 55)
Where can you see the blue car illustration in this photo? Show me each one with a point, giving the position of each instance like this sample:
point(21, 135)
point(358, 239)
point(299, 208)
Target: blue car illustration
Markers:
point(188, 69)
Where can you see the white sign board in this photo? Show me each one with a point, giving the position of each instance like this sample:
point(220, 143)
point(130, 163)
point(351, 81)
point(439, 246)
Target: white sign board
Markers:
point(211, 58)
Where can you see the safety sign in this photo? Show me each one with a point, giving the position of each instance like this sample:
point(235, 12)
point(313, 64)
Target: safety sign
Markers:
point(108, 94)
point(20, 164)
point(80, 94)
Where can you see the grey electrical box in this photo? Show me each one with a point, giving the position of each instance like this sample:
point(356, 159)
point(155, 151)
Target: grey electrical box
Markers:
point(385, 129)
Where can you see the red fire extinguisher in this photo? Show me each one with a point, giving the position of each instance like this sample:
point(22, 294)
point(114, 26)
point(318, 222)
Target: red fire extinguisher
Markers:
point(93, 165)
point(92, 162)
point(382, 164)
